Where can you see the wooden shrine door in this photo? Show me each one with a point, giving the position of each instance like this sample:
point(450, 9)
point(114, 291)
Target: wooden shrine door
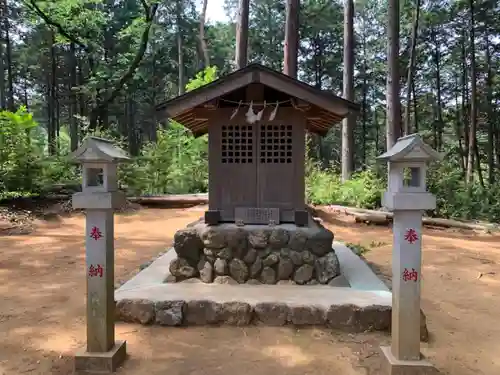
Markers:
point(235, 182)
point(254, 168)
point(275, 168)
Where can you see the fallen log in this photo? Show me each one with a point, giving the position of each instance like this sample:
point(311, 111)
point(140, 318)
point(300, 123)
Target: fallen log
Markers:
point(384, 218)
point(449, 223)
point(371, 218)
point(178, 200)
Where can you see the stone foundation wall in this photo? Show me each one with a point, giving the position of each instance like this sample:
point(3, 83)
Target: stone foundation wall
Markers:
point(255, 254)
point(348, 318)
point(186, 313)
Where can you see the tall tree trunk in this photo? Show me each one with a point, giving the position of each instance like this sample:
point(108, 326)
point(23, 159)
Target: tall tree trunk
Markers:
point(73, 110)
point(458, 126)
point(473, 106)
point(349, 122)
point(465, 98)
point(52, 96)
point(131, 130)
point(434, 126)
point(439, 109)
point(241, 54)
point(8, 46)
point(377, 131)
point(497, 142)
point(411, 66)
point(25, 93)
point(152, 134)
point(82, 109)
point(3, 96)
point(489, 109)
point(203, 40)
point(291, 37)
point(315, 148)
point(393, 127)
point(478, 165)
point(415, 108)
point(180, 49)
point(365, 101)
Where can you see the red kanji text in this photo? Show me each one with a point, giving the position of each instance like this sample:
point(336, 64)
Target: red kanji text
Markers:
point(95, 233)
point(410, 275)
point(95, 271)
point(411, 236)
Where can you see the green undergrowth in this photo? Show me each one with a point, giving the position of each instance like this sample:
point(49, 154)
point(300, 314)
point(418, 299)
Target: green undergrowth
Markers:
point(361, 249)
point(178, 164)
point(324, 186)
point(358, 248)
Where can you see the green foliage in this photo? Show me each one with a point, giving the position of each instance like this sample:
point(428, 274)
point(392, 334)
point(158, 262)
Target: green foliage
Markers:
point(323, 186)
point(207, 75)
point(19, 163)
point(102, 39)
point(24, 167)
point(357, 248)
point(176, 163)
point(456, 200)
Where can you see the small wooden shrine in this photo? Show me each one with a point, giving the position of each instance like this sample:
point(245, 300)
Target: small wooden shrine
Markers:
point(256, 120)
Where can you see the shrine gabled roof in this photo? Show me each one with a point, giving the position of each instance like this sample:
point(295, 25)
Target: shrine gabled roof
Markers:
point(95, 149)
point(410, 148)
point(331, 109)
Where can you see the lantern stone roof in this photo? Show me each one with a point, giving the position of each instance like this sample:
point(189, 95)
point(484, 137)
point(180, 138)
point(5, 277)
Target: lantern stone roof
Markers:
point(410, 148)
point(321, 108)
point(95, 149)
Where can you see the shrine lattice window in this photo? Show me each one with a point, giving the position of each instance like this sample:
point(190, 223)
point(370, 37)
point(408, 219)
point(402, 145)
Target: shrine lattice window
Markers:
point(237, 144)
point(275, 143)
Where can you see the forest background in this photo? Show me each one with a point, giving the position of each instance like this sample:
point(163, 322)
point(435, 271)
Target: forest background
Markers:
point(70, 68)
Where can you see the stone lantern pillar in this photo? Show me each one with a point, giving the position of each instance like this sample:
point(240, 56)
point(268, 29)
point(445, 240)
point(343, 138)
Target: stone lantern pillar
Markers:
point(99, 197)
point(407, 198)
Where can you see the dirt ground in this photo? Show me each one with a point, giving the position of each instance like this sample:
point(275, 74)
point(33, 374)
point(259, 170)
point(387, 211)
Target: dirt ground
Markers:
point(42, 291)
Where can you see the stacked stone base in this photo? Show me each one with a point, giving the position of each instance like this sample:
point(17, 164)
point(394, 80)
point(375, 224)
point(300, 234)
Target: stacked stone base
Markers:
point(255, 254)
point(178, 313)
point(203, 312)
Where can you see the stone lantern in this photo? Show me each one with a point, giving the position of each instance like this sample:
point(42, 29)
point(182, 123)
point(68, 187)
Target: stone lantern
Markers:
point(99, 197)
point(407, 198)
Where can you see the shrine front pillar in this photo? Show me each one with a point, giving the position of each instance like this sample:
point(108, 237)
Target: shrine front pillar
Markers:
point(99, 197)
point(408, 199)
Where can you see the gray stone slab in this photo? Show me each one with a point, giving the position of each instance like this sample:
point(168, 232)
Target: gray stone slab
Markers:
point(140, 297)
point(320, 295)
point(359, 275)
point(353, 268)
point(154, 274)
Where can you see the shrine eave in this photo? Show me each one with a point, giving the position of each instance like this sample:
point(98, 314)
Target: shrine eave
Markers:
point(323, 110)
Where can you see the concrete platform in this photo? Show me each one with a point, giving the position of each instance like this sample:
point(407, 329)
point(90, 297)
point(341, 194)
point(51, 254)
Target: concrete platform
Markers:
point(317, 295)
point(365, 305)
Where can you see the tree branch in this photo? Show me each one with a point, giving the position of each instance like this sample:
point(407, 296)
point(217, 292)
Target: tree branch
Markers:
point(150, 14)
point(60, 29)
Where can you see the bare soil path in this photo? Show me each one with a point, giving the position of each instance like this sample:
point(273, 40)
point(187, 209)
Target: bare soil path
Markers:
point(42, 296)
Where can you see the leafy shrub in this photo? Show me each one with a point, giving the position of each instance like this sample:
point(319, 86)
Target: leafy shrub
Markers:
point(454, 199)
point(177, 163)
point(324, 186)
point(19, 157)
point(357, 248)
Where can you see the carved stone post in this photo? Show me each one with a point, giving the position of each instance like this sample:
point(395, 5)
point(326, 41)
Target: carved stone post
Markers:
point(99, 197)
point(408, 199)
